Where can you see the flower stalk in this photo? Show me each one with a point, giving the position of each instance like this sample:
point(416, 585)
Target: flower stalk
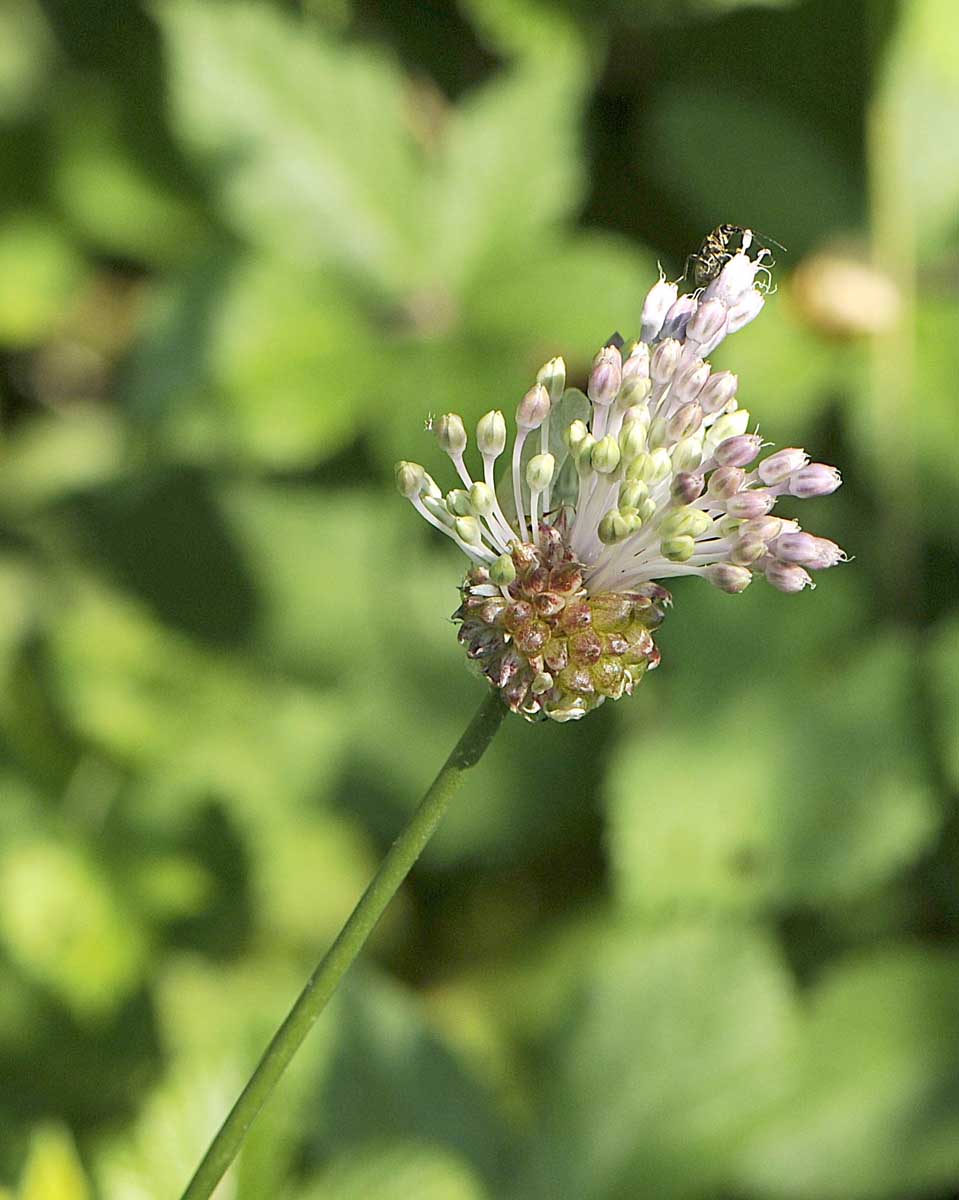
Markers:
point(350, 941)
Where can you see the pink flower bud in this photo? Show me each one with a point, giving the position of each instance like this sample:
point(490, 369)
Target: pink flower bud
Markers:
point(684, 422)
point(717, 391)
point(725, 482)
point(708, 322)
point(750, 504)
point(748, 309)
point(606, 377)
point(687, 487)
point(813, 552)
point(738, 451)
point(816, 479)
point(533, 409)
point(677, 318)
point(689, 380)
point(787, 577)
point(728, 577)
point(664, 360)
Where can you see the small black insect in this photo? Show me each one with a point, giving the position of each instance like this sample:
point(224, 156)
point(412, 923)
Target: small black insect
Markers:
point(717, 249)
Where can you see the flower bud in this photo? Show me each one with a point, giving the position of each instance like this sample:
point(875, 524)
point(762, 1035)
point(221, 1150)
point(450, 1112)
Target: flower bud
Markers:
point(684, 422)
point(664, 360)
point(468, 529)
point(677, 317)
point(816, 479)
point(632, 493)
point(533, 409)
point(657, 435)
point(583, 454)
point(650, 467)
point(606, 455)
point(755, 503)
point(787, 577)
point(689, 380)
point(606, 377)
point(717, 391)
point(708, 322)
point(808, 551)
point(738, 451)
point(437, 508)
point(677, 549)
point(730, 424)
point(491, 434)
point(687, 487)
point(410, 478)
point(687, 454)
point(458, 503)
point(660, 297)
point(734, 281)
point(748, 309)
point(635, 391)
point(726, 481)
point(728, 577)
point(632, 440)
point(613, 528)
point(451, 434)
point(636, 363)
point(482, 499)
point(552, 376)
point(502, 572)
point(539, 472)
point(686, 522)
point(768, 528)
point(779, 466)
point(574, 434)
point(748, 549)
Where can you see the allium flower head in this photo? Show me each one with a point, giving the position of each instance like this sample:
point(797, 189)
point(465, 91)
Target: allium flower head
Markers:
point(651, 475)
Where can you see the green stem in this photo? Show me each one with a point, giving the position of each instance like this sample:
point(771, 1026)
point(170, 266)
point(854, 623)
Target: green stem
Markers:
point(336, 962)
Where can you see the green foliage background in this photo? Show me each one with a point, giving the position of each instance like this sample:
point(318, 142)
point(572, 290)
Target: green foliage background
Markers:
point(703, 945)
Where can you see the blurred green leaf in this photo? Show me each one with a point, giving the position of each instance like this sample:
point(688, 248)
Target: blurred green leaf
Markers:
point(305, 139)
point(679, 1044)
point(942, 664)
point(732, 810)
point(397, 1171)
point(61, 923)
point(52, 456)
point(873, 1110)
point(26, 51)
point(40, 272)
point(53, 1170)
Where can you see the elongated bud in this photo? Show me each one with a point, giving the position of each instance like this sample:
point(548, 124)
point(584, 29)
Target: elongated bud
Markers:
point(817, 479)
point(458, 502)
point(502, 572)
point(734, 281)
point(636, 363)
point(533, 409)
point(782, 464)
point(469, 530)
point(660, 297)
point(688, 454)
point(728, 577)
point(787, 577)
point(606, 455)
point(635, 391)
point(729, 425)
point(684, 422)
point(677, 549)
point(748, 549)
point(686, 522)
point(687, 487)
point(539, 472)
point(632, 440)
point(738, 451)
point(482, 499)
point(613, 528)
point(632, 493)
point(584, 455)
point(707, 323)
point(717, 391)
point(768, 528)
point(750, 504)
point(552, 376)
point(726, 481)
point(814, 552)
point(746, 311)
point(606, 377)
point(677, 317)
point(650, 467)
point(451, 434)
point(689, 381)
point(410, 478)
point(664, 360)
point(491, 434)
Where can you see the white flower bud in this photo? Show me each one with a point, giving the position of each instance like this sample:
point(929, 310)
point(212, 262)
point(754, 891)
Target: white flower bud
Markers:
point(468, 529)
point(664, 360)
point(451, 434)
point(482, 499)
point(729, 425)
point(728, 578)
point(552, 376)
point(747, 310)
point(574, 433)
point(410, 478)
point(606, 377)
point(533, 409)
point(687, 455)
point(539, 472)
point(708, 322)
point(782, 464)
point(660, 297)
point(458, 503)
point(636, 363)
point(734, 281)
point(677, 318)
point(502, 572)
point(491, 434)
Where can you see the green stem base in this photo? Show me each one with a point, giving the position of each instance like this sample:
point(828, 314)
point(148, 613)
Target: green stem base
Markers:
point(350, 941)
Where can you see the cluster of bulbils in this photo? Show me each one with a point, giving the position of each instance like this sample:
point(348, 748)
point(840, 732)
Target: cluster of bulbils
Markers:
point(650, 475)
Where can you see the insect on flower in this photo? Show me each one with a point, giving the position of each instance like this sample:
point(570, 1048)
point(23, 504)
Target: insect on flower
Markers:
point(654, 473)
point(717, 248)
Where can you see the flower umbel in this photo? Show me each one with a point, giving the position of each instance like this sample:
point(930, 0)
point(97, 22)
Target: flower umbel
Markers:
point(651, 475)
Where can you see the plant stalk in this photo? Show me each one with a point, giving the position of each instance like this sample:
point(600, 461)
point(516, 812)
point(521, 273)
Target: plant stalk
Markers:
point(349, 942)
